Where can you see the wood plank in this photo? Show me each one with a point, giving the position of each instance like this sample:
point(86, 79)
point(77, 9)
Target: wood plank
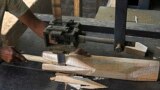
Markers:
point(83, 82)
point(138, 50)
point(70, 61)
point(38, 59)
point(66, 69)
point(114, 67)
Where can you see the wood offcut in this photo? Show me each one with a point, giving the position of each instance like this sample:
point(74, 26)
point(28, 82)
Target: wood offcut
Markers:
point(77, 81)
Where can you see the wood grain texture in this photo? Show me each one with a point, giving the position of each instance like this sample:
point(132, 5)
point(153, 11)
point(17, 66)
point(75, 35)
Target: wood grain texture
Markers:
point(38, 59)
point(139, 49)
point(71, 61)
point(120, 68)
point(77, 8)
point(83, 82)
point(103, 66)
point(66, 69)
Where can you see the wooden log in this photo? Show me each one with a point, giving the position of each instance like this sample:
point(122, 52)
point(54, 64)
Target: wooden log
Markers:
point(117, 68)
point(77, 8)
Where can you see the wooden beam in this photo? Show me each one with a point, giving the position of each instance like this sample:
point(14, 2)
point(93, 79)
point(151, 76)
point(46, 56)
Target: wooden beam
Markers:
point(77, 6)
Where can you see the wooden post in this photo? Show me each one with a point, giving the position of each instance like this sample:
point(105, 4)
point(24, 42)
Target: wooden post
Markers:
point(57, 10)
point(77, 4)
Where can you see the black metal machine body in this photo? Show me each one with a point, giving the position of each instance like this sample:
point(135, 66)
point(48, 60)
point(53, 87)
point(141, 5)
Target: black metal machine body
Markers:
point(69, 34)
point(66, 33)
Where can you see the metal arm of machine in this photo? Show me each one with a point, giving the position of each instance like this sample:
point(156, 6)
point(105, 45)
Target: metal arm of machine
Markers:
point(70, 33)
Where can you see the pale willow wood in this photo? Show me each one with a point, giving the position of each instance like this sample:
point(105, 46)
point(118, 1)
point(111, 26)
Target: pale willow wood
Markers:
point(103, 66)
point(38, 59)
point(118, 68)
point(82, 82)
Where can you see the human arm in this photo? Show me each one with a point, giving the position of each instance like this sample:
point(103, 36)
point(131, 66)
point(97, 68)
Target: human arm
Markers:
point(9, 54)
point(24, 14)
point(33, 23)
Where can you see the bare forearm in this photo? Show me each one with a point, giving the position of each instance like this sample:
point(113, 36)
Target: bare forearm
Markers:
point(33, 22)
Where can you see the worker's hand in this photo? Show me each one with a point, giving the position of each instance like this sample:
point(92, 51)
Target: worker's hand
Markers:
point(9, 54)
point(82, 52)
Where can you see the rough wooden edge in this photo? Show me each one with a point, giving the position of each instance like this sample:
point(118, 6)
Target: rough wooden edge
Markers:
point(77, 8)
point(76, 80)
point(139, 49)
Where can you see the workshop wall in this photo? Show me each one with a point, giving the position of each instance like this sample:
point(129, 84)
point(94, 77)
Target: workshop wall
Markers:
point(89, 7)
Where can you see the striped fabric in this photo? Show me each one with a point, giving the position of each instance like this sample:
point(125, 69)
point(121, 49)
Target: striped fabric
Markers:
point(16, 7)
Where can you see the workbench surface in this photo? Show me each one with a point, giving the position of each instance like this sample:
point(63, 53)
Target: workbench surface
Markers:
point(13, 78)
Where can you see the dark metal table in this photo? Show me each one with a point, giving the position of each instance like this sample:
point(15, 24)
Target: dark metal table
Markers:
point(13, 78)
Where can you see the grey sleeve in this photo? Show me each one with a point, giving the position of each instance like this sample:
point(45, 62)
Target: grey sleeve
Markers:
point(16, 7)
